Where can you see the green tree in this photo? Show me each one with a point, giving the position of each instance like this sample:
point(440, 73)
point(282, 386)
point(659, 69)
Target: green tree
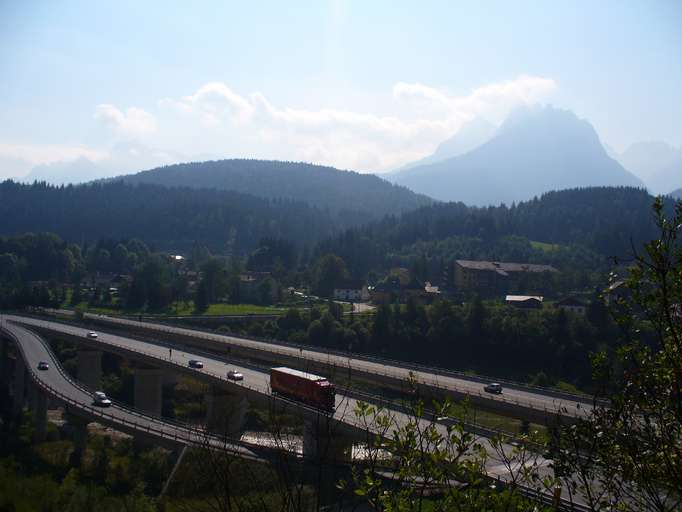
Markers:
point(330, 270)
point(627, 454)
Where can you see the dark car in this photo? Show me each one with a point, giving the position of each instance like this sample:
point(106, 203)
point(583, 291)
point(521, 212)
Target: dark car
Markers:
point(195, 363)
point(42, 365)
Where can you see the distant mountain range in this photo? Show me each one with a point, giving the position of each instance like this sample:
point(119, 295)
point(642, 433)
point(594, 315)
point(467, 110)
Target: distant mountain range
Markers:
point(656, 163)
point(677, 194)
point(536, 150)
point(359, 197)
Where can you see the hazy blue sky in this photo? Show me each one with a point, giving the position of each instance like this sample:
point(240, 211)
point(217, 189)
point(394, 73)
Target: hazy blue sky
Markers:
point(366, 85)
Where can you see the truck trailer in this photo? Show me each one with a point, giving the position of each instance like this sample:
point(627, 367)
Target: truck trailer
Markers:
point(305, 387)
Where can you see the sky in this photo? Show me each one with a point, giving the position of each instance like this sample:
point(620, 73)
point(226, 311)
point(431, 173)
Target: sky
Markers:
point(362, 85)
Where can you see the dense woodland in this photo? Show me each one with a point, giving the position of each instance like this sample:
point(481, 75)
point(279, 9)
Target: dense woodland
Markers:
point(363, 197)
point(586, 228)
point(167, 218)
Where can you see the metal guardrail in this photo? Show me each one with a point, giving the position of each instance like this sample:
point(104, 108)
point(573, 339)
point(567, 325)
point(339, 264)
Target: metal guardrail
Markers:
point(196, 333)
point(483, 379)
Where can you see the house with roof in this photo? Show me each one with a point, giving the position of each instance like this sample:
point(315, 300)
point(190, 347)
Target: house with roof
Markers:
point(352, 291)
point(492, 277)
point(571, 305)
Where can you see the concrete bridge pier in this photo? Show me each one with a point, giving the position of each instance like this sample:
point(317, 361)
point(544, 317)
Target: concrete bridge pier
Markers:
point(225, 412)
point(39, 408)
point(19, 384)
point(325, 450)
point(89, 368)
point(148, 390)
point(322, 443)
point(4, 360)
point(78, 428)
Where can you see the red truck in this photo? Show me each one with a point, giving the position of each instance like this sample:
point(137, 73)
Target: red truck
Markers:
point(304, 387)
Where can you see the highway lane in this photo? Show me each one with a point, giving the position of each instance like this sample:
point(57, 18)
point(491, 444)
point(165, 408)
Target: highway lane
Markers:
point(57, 384)
point(578, 406)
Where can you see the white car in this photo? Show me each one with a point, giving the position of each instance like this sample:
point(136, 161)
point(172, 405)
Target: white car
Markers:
point(493, 387)
point(235, 375)
point(100, 399)
point(92, 335)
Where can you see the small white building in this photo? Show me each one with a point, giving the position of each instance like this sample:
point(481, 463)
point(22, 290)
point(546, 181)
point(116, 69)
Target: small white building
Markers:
point(352, 291)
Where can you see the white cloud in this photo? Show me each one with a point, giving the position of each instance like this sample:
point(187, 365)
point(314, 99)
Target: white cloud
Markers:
point(42, 154)
point(133, 122)
point(216, 119)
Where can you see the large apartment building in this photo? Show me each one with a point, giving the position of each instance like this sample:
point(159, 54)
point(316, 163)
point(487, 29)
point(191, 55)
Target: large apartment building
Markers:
point(491, 277)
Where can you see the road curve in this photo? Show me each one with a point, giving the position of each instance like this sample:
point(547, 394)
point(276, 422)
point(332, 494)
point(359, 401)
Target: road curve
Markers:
point(56, 383)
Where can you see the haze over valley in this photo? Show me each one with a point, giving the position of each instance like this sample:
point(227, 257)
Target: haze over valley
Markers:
point(338, 255)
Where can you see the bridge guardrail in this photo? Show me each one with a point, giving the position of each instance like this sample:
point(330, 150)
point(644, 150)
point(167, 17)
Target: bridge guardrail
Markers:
point(374, 359)
point(563, 410)
point(217, 337)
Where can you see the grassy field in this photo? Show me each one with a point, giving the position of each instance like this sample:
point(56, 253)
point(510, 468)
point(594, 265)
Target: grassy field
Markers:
point(186, 309)
point(544, 246)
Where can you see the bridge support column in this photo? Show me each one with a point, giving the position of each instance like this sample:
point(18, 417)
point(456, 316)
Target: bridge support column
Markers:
point(322, 444)
point(89, 368)
point(78, 428)
point(225, 412)
point(39, 407)
point(19, 383)
point(324, 450)
point(4, 360)
point(148, 390)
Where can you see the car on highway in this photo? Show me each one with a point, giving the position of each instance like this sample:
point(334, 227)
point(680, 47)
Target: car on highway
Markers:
point(493, 387)
point(100, 399)
point(235, 375)
point(195, 363)
point(92, 335)
point(42, 365)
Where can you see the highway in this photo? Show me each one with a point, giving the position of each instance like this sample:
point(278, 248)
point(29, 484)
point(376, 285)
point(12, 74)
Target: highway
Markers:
point(549, 401)
point(256, 383)
point(57, 384)
point(256, 380)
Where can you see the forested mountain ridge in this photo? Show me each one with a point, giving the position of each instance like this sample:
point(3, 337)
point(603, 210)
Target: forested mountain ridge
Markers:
point(165, 217)
point(605, 221)
point(677, 194)
point(536, 150)
point(341, 192)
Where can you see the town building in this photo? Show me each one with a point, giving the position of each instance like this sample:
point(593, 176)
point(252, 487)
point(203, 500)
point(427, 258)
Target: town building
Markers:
point(571, 305)
point(352, 291)
point(493, 277)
